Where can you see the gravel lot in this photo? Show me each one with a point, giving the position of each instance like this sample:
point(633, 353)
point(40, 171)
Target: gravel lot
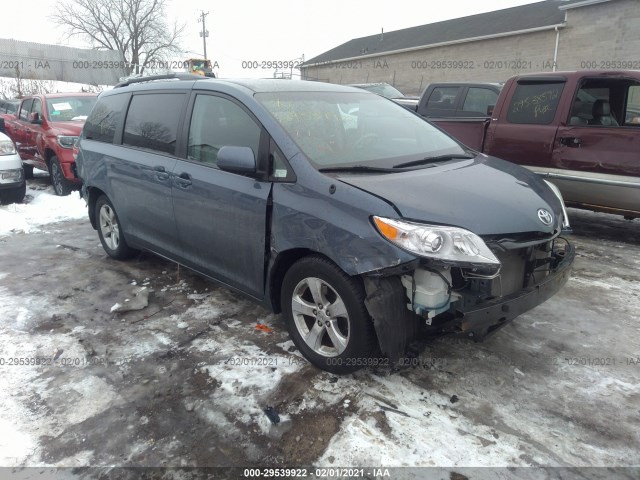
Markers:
point(184, 381)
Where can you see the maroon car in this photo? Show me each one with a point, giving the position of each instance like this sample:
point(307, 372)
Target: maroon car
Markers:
point(45, 131)
point(579, 129)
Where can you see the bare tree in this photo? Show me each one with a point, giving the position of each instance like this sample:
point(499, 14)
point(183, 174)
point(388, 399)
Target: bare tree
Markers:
point(135, 28)
point(20, 86)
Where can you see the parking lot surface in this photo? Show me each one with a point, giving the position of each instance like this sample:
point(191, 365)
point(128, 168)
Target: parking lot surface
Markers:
point(186, 379)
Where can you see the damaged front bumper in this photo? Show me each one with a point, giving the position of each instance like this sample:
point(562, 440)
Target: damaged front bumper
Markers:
point(397, 325)
point(479, 321)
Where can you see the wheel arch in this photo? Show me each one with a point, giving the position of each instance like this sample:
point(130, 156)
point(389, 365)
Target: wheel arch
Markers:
point(93, 195)
point(279, 267)
point(48, 154)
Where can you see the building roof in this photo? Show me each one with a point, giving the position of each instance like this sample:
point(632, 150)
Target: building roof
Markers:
point(540, 15)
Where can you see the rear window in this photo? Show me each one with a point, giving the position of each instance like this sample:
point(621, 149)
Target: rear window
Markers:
point(535, 103)
point(105, 117)
point(152, 121)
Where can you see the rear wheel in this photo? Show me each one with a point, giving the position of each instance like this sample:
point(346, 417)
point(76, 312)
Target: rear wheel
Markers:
point(110, 232)
point(61, 185)
point(326, 317)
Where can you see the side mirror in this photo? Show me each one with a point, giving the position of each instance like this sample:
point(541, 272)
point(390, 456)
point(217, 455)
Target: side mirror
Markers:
point(35, 118)
point(490, 110)
point(239, 160)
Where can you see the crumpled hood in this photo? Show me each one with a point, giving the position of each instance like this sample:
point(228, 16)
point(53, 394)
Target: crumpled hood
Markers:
point(485, 195)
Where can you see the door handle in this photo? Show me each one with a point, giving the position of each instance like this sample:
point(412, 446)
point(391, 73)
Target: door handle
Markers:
point(161, 172)
point(183, 179)
point(574, 142)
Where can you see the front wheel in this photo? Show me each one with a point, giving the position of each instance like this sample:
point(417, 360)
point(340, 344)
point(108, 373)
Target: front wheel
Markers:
point(110, 232)
point(326, 317)
point(61, 185)
point(13, 196)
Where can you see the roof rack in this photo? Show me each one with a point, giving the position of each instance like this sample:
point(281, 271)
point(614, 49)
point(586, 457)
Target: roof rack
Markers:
point(167, 76)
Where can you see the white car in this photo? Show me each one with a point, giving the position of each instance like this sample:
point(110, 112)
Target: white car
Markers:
point(12, 183)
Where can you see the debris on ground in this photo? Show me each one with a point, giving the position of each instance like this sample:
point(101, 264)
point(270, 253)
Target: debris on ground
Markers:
point(137, 299)
point(264, 328)
point(272, 414)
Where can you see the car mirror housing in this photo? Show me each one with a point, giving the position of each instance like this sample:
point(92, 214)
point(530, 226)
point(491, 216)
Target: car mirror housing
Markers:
point(239, 160)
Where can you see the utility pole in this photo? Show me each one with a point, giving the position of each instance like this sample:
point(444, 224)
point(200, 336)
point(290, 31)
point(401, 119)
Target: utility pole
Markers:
point(204, 33)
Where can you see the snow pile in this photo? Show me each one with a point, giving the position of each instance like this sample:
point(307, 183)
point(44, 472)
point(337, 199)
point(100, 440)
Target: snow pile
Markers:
point(45, 207)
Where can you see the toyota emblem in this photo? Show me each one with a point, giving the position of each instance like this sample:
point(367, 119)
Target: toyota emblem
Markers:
point(545, 216)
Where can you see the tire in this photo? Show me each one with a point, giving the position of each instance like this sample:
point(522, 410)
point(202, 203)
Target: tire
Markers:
point(28, 171)
point(61, 185)
point(109, 231)
point(13, 196)
point(339, 342)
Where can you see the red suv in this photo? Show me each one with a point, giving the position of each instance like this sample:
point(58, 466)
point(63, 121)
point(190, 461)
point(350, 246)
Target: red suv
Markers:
point(45, 130)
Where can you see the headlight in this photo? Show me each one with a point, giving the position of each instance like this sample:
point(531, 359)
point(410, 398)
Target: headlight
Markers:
point(565, 217)
point(7, 147)
point(449, 244)
point(67, 141)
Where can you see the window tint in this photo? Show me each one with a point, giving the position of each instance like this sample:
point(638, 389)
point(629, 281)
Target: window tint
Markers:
point(478, 99)
point(443, 98)
point(25, 109)
point(535, 103)
point(152, 121)
point(218, 122)
point(105, 117)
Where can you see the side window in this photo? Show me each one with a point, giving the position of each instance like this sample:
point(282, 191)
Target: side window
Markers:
point(279, 169)
point(443, 98)
point(478, 100)
point(37, 107)
point(632, 111)
point(105, 118)
point(152, 121)
point(535, 103)
point(217, 122)
point(25, 109)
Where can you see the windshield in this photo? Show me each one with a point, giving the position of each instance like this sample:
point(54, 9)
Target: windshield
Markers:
point(336, 129)
point(70, 108)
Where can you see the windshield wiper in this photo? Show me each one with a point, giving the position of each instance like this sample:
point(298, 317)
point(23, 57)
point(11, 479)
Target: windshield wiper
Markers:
point(439, 158)
point(358, 168)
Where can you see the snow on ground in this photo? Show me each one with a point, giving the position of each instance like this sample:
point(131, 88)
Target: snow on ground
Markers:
point(40, 207)
point(190, 376)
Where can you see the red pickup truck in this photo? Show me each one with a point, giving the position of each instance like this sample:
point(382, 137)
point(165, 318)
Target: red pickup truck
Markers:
point(45, 130)
point(579, 129)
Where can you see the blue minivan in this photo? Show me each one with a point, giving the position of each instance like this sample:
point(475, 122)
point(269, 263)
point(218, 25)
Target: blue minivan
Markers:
point(365, 225)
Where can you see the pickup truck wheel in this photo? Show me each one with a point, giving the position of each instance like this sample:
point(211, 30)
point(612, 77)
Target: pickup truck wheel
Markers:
point(109, 231)
point(326, 317)
point(60, 184)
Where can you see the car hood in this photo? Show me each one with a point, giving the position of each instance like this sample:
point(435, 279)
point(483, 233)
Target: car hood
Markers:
point(72, 128)
point(485, 195)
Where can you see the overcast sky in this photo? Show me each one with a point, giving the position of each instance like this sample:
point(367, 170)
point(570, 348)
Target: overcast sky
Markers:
point(247, 30)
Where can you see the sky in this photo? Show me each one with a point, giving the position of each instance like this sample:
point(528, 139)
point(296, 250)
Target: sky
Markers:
point(252, 30)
